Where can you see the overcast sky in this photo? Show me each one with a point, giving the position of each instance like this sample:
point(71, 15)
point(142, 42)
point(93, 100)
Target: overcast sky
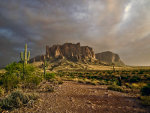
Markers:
point(120, 26)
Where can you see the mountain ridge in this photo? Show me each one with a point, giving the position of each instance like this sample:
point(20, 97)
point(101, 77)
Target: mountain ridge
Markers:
point(78, 53)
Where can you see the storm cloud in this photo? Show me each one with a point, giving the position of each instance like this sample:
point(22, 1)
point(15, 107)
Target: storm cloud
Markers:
point(121, 26)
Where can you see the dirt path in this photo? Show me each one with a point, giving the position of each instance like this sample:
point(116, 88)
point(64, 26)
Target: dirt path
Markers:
point(73, 97)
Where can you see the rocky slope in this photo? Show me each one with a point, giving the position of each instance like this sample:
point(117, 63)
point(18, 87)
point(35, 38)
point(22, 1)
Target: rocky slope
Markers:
point(109, 57)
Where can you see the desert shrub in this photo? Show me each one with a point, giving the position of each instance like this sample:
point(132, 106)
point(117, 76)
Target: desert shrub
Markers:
point(50, 76)
point(29, 69)
point(128, 85)
point(145, 91)
point(49, 88)
point(81, 81)
point(147, 77)
point(102, 82)
point(72, 75)
point(141, 72)
point(33, 80)
point(61, 74)
point(17, 68)
point(145, 100)
point(135, 79)
point(138, 85)
point(125, 77)
point(16, 99)
point(94, 82)
point(87, 81)
point(135, 85)
point(115, 88)
point(60, 82)
point(10, 81)
point(14, 68)
point(2, 91)
point(14, 76)
point(75, 79)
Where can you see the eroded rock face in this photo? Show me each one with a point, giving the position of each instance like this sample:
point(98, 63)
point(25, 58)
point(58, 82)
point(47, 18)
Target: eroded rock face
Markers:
point(70, 51)
point(109, 57)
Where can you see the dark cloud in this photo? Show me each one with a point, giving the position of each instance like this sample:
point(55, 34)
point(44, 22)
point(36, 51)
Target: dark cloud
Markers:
point(122, 26)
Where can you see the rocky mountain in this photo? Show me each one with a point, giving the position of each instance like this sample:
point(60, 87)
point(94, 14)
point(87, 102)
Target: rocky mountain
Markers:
point(72, 52)
point(78, 53)
point(109, 57)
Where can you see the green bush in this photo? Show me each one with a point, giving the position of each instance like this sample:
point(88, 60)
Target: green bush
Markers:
point(16, 99)
point(17, 68)
point(50, 76)
point(10, 81)
point(115, 88)
point(14, 76)
point(14, 68)
point(33, 80)
point(135, 79)
point(29, 69)
point(145, 91)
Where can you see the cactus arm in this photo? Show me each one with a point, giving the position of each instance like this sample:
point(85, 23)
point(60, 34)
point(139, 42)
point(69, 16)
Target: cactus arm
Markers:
point(25, 54)
point(45, 65)
point(28, 56)
point(21, 56)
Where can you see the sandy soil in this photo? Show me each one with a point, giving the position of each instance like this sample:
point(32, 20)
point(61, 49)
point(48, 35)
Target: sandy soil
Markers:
point(72, 97)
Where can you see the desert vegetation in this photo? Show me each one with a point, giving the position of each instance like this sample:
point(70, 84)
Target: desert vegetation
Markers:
point(135, 82)
point(20, 85)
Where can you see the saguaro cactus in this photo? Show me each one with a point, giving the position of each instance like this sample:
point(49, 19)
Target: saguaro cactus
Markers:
point(25, 56)
point(113, 66)
point(45, 64)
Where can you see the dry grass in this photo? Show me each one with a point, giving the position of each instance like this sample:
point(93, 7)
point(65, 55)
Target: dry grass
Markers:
point(2, 71)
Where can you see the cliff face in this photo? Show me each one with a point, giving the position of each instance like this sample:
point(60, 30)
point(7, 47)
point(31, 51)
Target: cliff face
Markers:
point(109, 57)
point(70, 51)
point(73, 52)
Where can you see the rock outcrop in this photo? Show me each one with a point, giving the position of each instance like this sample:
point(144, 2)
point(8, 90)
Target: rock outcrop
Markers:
point(73, 52)
point(109, 57)
point(70, 51)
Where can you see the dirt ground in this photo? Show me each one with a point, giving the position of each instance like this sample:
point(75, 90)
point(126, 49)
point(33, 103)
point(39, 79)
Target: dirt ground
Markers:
point(72, 97)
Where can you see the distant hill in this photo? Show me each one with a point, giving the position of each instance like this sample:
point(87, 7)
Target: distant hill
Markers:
point(109, 58)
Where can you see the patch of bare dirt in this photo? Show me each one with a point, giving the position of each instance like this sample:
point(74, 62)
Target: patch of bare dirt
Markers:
point(72, 97)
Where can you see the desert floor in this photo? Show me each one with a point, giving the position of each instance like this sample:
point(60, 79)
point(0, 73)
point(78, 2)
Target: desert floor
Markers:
point(72, 97)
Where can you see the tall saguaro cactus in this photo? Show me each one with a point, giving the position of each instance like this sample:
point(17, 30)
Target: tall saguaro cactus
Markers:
point(25, 56)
